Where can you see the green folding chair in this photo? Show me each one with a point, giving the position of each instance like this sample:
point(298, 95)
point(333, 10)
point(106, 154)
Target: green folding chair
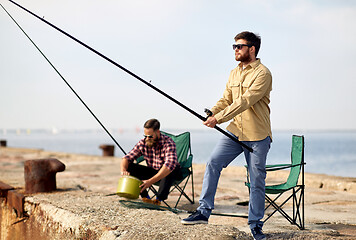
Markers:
point(185, 159)
point(291, 187)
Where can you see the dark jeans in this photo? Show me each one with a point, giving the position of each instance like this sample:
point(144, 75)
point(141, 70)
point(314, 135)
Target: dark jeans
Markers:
point(144, 173)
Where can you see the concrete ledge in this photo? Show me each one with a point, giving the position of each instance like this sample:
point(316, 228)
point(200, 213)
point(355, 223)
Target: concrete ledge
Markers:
point(16, 201)
point(57, 223)
point(42, 221)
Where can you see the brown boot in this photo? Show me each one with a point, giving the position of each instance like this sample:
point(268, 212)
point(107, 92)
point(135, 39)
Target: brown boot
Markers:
point(147, 200)
point(156, 202)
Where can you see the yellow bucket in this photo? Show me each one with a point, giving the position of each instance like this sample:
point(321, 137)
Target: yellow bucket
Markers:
point(129, 187)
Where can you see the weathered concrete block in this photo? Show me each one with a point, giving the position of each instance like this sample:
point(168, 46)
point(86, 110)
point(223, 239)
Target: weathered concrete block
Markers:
point(40, 175)
point(108, 150)
point(4, 188)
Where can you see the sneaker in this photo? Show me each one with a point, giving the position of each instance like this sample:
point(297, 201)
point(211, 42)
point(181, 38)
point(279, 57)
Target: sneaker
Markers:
point(195, 218)
point(258, 234)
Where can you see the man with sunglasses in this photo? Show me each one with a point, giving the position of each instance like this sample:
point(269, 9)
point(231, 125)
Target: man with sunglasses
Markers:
point(160, 154)
point(245, 101)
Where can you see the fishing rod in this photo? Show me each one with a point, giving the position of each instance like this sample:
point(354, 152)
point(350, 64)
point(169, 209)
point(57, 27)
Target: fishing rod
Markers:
point(65, 81)
point(134, 75)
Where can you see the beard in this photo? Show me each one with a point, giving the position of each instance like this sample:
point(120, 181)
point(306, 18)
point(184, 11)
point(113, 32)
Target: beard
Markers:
point(151, 142)
point(243, 57)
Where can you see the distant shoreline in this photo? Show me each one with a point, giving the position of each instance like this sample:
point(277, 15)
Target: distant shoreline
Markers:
point(54, 130)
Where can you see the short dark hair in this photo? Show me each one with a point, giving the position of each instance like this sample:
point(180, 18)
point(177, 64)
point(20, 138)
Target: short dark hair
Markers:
point(251, 38)
point(152, 123)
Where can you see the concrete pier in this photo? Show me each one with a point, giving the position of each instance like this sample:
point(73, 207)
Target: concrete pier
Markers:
point(83, 206)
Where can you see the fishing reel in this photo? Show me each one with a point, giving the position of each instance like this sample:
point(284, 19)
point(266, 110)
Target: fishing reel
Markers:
point(208, 113)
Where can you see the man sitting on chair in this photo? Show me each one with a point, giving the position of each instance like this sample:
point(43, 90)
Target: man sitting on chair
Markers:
point(160, 154)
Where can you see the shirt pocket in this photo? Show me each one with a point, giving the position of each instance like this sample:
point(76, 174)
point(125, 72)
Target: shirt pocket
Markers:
point(235, 90)
point(246, 85)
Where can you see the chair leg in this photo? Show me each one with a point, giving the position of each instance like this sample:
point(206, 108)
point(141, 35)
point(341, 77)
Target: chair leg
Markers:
point(270, 200)
point(298, 206)
point(279, 208)
point(182, 193)
point(192, 202)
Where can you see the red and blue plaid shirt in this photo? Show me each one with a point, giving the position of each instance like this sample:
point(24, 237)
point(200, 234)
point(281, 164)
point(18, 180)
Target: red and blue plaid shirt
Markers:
point(164, 153)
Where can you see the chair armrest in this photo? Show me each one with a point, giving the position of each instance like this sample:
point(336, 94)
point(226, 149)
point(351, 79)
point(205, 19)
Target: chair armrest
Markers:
point(276, 167)
point(187, 163)
point(280, 166)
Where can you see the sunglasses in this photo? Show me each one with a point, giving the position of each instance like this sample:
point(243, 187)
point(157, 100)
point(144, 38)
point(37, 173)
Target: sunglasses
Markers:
point(148, 136)
point(240, 46)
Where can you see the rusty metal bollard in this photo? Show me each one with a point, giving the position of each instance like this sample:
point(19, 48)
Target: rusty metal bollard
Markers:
point(40, 174)
point(108, 150)
point(2, 143)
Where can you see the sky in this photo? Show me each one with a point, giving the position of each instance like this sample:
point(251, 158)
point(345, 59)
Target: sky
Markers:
point(184, 48)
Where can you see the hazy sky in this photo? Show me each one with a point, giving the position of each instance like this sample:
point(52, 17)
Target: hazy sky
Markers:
point(183, 48)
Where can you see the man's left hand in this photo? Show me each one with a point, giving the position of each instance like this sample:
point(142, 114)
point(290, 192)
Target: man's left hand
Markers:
point(145, 184)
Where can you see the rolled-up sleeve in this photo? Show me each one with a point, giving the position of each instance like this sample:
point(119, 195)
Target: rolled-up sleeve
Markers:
point(136, 152)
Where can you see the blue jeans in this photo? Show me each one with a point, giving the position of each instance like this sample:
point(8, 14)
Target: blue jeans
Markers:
point(224, 153)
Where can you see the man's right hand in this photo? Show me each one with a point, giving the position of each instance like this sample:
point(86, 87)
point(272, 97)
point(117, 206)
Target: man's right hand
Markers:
point(210, 122)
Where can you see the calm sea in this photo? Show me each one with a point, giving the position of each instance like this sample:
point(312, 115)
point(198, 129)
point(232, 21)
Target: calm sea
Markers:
point(332, 153)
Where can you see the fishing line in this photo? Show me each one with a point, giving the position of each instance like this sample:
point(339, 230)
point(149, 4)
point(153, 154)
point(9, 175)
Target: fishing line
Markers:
point(134, 75)
point(65, 81)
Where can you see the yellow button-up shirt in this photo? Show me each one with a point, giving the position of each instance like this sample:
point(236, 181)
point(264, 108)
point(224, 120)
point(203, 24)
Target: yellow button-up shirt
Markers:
point(246, 100)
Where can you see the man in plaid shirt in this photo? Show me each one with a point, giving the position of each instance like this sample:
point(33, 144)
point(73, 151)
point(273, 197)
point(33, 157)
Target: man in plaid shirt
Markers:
point(160, 154)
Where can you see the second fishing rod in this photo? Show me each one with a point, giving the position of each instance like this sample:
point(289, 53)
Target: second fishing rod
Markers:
point(134, 75)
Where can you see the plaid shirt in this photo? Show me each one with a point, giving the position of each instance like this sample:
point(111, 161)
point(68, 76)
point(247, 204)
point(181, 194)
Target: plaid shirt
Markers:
point(164, 153)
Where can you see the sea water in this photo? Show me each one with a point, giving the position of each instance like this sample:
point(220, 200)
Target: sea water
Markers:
point(326, 152)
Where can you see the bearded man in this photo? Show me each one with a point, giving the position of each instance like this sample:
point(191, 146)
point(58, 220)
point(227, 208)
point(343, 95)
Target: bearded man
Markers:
point(245, 101)
point(160, 154)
